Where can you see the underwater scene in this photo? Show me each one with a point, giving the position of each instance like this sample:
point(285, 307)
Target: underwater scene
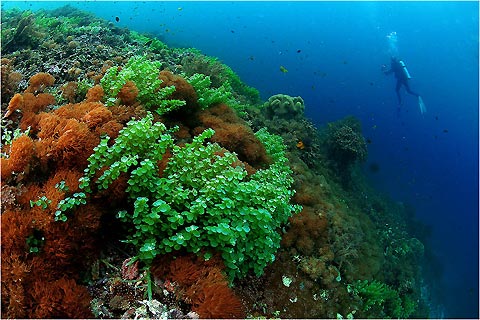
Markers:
point(186, 160)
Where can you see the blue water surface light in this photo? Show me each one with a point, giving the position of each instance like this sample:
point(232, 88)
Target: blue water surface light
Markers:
point(423, 152)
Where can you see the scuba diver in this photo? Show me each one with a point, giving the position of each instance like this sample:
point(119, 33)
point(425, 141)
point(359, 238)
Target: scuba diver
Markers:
point(401, 74)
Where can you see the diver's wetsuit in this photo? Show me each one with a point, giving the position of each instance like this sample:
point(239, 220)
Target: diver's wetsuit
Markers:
point(397, 68)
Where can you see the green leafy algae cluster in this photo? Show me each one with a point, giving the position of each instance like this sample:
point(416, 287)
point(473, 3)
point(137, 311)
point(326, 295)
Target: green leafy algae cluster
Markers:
point(202, 201)
point(144, 74)
point(207, 95)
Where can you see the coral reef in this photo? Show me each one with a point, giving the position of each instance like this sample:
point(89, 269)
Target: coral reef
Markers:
point(202, 196)
point(284, 106)
point(345, 142)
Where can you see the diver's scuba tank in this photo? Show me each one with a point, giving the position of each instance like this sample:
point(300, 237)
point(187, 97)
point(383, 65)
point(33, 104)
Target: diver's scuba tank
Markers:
point(405, 70)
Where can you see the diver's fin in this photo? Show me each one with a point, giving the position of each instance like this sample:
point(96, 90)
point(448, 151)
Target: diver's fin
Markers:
point(421, 105)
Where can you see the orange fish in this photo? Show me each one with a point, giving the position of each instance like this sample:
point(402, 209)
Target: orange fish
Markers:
point(300, 145)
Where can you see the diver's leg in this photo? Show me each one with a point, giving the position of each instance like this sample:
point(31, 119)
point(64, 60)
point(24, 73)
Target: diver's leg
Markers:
point(397, 90)
point(407, 87)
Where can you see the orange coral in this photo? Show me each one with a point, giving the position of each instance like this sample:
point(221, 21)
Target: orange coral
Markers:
point(95, 94)
point(116, 191)
point(16, 103)
point(29, 121)
point(97, 117)
point(305, 196)
point(14, 271)
point(122, 114)
point(40, 81)
point(86, 218)
point(183, 89)
point(21, 153)
point(53, 192)
point(47, 288)
point(111, 128)
point(6, 170)
point(63, 298)
point(162, 164)
point(42, 100)
point(48, 123)
point(16, 227)
point(29, 105)
point(75, 143)
point(65, 139)
point(32, 191)
point(203, 283)
point(233, 134)
point(15, 293)
point(307, 230)
point(128, 94)
point(217, 301)
point(69, 91)
point(78, 110)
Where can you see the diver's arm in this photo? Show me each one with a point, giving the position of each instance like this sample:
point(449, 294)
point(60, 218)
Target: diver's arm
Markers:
point(385, 71)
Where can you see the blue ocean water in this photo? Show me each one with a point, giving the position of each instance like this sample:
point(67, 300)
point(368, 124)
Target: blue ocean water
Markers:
point(333, 52)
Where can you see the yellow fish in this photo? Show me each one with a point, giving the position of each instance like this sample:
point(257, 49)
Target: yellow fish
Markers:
point(283, 69)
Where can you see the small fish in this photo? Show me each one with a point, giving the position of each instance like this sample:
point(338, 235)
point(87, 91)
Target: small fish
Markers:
point(251, 58)
point(371, 83)
point(117, 19)
point(179, 8)
point(436, 117)
point(283, 69)
point(300, 145)
point(445, 131)
point(374, 126)
point(369, 141)
point(232, 31)
point(298, 51)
